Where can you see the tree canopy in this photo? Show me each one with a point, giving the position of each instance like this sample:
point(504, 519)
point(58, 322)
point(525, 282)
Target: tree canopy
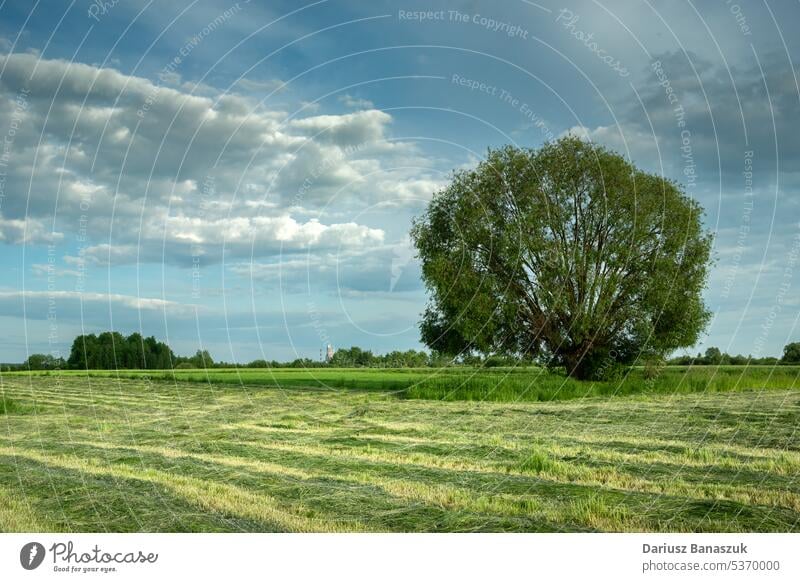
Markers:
point(567, 253)
point(44, 362)
point(355, 357)
point(111, 351)
point(791, 353)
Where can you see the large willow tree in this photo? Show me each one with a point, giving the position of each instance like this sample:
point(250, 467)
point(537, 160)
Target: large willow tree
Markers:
point(567, 252)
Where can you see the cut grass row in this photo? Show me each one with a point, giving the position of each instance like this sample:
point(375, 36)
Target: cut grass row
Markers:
point(500, 385)
point(105, 454)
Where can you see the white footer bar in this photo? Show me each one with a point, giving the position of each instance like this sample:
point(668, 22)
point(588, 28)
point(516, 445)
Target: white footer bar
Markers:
point(382, 557)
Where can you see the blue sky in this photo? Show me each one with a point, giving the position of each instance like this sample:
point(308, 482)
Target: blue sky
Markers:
point(242, 176)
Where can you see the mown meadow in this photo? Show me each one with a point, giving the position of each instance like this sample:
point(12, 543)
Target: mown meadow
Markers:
point(718, 451)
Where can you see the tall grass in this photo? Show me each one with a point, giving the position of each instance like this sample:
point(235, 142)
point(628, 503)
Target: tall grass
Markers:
point(476, 384)
point(8, 406)
point(546, 386)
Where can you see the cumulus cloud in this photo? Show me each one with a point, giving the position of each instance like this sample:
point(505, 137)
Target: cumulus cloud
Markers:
point(387, 270)
point(351, 129)
point(182, 240)
point(127, 164)
point(719, 113)
point(27, 231)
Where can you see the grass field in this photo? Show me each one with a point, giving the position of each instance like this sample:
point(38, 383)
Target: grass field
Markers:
point(494, 384)
point(102, 453)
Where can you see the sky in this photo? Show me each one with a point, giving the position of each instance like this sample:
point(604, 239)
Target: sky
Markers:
point(241, 177)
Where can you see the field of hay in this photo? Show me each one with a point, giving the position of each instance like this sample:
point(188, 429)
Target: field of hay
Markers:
point(98, 452)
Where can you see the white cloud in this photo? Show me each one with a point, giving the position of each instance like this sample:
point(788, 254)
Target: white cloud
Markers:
point(129, 163)
point(351, 129)
point(52, 270)
point(355, 102)
point(640, 145)
point(183, 238)
point(384, 269)
point(30, 231)
point(67, 304)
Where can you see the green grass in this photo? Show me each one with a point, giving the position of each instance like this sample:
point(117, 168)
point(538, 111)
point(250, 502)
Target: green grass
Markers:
point(8, 406)
point(496, 384)
point(101, 453)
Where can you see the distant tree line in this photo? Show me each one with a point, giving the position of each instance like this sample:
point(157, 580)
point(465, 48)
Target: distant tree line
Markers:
point(713, 356)
point(113, 351)
point(356, 357)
